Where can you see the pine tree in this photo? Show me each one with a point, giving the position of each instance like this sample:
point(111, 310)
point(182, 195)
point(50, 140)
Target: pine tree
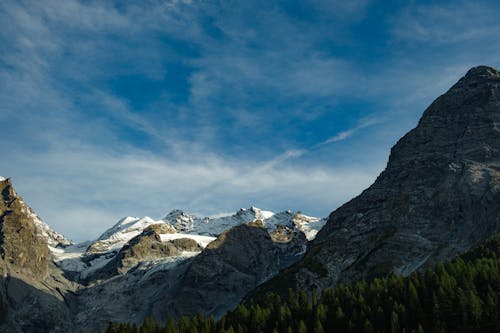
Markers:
point(170, 326)
point(302, 328)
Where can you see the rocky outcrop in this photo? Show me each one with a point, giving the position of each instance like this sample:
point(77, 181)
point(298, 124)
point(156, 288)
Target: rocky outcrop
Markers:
point(438, 196)
point(33, 292)
point(146, 247)
point(231, 266)
point(22, 247)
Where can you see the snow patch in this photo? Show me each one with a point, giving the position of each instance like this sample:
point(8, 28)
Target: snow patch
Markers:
point(69, 258)
point(76, 257)
point(53, 238)
point(201, 240)
point(115, 237)
point(165, 263)
point(309, 225)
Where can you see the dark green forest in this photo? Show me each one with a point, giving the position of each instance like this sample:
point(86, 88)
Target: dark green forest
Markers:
point(461, 295)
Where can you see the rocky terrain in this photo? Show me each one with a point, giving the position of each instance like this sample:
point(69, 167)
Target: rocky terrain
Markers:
point(178, 265)
point(438, 196)
point(33, 291)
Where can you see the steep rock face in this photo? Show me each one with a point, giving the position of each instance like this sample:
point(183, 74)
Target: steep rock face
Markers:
point(438, 196)
point(22, 247)
point(32, 289)
point(231, 266)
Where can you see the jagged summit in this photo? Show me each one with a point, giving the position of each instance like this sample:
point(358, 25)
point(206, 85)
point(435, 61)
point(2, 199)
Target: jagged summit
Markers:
point(474, 78)
point(22, 246)
point(481, 72)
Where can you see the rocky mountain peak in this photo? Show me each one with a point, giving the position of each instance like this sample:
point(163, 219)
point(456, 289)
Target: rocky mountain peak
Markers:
point(481, 72)
point(438, 196)
point(475, 79)
point(23, 248)
point(461, 125)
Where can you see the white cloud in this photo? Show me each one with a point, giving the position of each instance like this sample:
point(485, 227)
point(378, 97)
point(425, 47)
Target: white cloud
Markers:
point(363, 123)
point(81, 175)
point(84, 191)
point(447, 23)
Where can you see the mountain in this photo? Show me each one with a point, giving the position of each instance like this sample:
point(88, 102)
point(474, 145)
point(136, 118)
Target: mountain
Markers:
point(438, 196)
point(33, 291)
point(86, 261)
point(181, 264)
point(162, 272)
point(461, 295)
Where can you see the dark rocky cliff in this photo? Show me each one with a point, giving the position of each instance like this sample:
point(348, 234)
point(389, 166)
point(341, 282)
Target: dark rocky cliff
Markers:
point(438, 196)
point(32, 289)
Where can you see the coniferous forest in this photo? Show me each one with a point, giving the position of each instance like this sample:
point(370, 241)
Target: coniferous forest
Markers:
point(462, 295)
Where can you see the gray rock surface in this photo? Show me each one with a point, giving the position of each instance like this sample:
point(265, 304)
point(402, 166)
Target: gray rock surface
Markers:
point(438, 196)
point(32, 288)
point(235, 263)
point(210, 283)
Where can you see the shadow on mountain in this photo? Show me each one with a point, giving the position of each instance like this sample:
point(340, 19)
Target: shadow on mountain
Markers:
point(25, 308)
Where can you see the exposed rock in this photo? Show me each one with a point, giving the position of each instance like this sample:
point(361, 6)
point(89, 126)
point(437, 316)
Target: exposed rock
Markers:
point(438, 196)
point(283, 234)
point(186, 244)
point(257, 223)
point(231, 266)
point(211, 283)
point(162, 228)
point(32, 290)
point(22, 248)
point(148, 246)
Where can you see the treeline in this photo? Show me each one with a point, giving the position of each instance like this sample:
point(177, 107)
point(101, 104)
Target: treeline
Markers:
point(462, 295)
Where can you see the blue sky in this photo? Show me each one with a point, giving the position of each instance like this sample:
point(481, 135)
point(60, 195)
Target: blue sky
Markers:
point(139, 107)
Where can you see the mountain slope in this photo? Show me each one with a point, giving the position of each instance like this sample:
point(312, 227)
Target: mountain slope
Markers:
point(32, 289)
point(438, 196)
point(462, 295)
point(209, 283)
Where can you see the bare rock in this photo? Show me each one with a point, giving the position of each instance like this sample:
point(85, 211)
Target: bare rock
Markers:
point(438, 196)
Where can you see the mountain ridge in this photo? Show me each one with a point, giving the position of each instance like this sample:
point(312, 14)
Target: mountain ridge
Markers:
point(438, 196)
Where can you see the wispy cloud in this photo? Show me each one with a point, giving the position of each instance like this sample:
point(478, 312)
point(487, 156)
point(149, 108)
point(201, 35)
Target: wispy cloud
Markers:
point(139, 107)
point(107, 186)
point(364, 123)
point(447, 23)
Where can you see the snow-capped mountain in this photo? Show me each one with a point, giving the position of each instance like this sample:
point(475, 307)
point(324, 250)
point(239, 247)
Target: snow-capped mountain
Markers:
point(187, 225)
point(87, 258)
point(213, 226)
